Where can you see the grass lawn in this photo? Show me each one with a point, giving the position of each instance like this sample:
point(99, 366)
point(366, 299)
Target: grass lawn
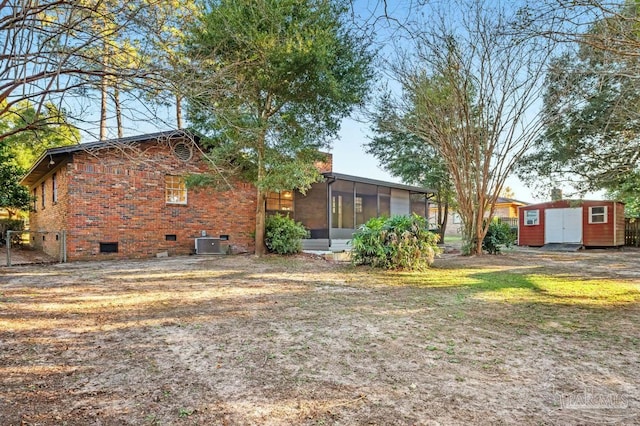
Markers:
point(526, 338)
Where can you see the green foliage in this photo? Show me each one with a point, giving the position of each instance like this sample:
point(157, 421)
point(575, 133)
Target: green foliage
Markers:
point(11, 225)
point(399, 242)
point(628, 192)
point(39, 131)
point(499, 235)
point(268, 83)
point(275, 78)
point(284, 235)
point(13, 196)
point(412, 159)
point(591, 104)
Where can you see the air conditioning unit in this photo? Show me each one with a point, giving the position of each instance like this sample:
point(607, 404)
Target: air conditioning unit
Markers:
point(208, 245)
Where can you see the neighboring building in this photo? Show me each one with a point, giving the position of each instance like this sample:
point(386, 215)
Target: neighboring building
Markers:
point(584, 222)
point(505, 209)
point(127, 198)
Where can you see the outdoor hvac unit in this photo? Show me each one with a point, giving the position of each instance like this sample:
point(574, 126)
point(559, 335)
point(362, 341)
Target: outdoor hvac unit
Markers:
point(208, 245)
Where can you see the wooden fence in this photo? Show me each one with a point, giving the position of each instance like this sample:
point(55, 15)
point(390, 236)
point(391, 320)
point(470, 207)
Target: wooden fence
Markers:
point(632, 232)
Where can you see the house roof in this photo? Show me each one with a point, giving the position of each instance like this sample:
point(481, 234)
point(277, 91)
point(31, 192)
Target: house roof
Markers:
point(415, 189)
point(53, 156)
point(504, 200)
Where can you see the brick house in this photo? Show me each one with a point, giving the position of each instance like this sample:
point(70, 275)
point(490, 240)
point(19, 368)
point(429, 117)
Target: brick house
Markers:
point(127, 198)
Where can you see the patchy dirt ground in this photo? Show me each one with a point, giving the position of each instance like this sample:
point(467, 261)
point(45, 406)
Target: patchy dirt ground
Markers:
point(237, 340)
point(23, 256)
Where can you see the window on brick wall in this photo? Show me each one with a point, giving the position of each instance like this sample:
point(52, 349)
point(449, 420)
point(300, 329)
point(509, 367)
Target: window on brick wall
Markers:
point(280, 201)
point(42, 194)
point(35, 199)
point(54, 188)
point(175, 190)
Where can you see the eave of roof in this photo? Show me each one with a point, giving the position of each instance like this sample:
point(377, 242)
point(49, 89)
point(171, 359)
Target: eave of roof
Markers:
point(42, 166)
point(415, 189)
point(504, 200)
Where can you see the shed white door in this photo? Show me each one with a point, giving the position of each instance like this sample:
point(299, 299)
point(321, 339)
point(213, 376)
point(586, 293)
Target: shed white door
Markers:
point(563, 226)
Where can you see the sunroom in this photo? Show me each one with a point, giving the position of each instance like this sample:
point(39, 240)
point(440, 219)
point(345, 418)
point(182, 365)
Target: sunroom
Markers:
point(332, 210)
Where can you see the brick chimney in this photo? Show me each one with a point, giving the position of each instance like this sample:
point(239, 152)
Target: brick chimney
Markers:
point(325, 166)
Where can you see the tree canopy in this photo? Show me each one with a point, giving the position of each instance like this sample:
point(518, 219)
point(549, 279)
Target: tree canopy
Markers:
point(26, 146)
point(592, 138)
point(406, 156)
point(13, 196)
point(269, 82)
point(469, 88)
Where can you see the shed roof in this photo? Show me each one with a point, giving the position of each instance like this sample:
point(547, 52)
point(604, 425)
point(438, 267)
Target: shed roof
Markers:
point(566, 202)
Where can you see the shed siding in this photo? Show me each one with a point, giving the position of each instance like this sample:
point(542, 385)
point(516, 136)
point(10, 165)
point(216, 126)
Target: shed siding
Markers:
point(606, 234)
point(532, 235)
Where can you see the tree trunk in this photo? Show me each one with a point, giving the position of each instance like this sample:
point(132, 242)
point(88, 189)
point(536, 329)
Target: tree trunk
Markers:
point(261, 212)
point(260, 222)
point(103, 108)
point(116, 102)
point(179, 111)
point(443, 222)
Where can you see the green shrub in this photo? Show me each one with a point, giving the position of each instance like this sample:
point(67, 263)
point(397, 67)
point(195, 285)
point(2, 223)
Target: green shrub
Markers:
point(499, 236)
point(400, 242)
point(11, 225)
point(283, 235)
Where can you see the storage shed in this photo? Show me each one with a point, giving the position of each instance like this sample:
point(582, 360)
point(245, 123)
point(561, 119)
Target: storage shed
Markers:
point(585, 222)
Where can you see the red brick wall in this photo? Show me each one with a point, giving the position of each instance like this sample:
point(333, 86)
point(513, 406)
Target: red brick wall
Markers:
point(118, 195)
point(48, 222)
point(325, 166)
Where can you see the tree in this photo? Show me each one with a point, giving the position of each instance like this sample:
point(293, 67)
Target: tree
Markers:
point(165, 38)
point(592, 138)
point(13, 196)
point(54, 52)
point(469, 92)
point(507, 192)
point(406, 156)
point(26, 146)
point(270, 82)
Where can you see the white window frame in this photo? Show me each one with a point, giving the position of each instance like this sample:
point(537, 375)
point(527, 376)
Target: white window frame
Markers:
point(175, 190)
point(456, 219)
point(604, 215)
point(535, 219)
